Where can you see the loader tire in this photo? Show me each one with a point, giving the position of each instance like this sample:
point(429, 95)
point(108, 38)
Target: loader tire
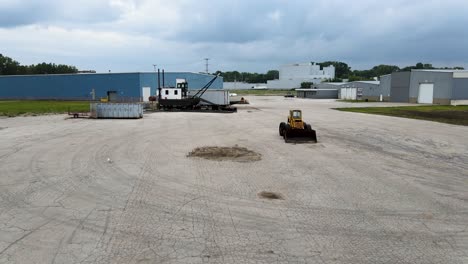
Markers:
point(281, 128)
point(286, 131)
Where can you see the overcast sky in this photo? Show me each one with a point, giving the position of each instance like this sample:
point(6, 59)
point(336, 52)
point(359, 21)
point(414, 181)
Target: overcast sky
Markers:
point(254, 35)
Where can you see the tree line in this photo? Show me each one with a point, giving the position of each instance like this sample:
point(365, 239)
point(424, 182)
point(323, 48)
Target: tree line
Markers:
point(235, 76)
point(342, 71)
point(382, 69)
point(8, 66)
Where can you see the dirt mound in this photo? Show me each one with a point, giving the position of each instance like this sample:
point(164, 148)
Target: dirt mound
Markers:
point(235, 153)
point(270, 195)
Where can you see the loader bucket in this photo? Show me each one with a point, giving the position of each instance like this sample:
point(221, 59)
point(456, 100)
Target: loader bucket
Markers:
point(300, 136)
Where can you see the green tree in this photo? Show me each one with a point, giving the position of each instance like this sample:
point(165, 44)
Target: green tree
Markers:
point(453, 68)
point(419, 66)
point(428, 66)
point(9, 66)
point(272, 75)
point(384, 70)
point(376, 71)
point(360, 75)
point(235, 76)
point(342, 70)
point(354, 78)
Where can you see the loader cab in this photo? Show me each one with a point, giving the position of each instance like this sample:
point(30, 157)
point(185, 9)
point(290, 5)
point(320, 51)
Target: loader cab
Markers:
point(295, 119)
point(296, 114)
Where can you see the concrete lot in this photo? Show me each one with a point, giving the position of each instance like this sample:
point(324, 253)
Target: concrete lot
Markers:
point(375, 189)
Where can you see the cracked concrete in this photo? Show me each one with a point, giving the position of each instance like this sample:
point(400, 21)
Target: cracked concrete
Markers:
point(375, 189)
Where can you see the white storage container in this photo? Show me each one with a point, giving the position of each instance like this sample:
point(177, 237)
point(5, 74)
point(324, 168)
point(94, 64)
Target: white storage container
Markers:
point(116, 110)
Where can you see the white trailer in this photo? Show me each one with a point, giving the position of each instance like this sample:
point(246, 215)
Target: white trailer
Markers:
point(210, 97)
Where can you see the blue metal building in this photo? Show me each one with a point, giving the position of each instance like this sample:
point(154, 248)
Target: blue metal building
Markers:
point(85, 86)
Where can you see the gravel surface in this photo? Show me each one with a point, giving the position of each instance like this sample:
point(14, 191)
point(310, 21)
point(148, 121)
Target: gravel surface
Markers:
point(375, 189)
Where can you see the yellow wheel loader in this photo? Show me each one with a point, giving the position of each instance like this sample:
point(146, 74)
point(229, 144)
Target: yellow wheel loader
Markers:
point(296, 130)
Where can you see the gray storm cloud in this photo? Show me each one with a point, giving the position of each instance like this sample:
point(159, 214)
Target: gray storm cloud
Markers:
point(236, 35)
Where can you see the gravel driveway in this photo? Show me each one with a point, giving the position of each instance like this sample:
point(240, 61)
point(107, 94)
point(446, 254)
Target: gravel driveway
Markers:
point(375, 189)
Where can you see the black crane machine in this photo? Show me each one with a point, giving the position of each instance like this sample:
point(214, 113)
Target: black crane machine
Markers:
point(188, 102)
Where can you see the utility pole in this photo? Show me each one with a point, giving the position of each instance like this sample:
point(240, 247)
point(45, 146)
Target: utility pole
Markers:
point(207, 59)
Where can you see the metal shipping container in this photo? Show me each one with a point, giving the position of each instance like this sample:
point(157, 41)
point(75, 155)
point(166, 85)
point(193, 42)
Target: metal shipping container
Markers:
point(217, 97)
point(116, 110)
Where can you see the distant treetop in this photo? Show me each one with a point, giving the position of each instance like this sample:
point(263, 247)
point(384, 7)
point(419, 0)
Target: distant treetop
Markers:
point(8, 66)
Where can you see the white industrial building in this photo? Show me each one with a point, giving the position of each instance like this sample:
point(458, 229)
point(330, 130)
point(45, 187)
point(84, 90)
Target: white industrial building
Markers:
point(292, 75)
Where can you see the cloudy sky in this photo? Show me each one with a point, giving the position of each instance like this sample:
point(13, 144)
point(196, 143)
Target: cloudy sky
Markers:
point(255, 35)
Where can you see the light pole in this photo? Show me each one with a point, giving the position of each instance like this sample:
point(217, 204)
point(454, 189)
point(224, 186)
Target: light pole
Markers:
point(154, 66)
point(206, 64)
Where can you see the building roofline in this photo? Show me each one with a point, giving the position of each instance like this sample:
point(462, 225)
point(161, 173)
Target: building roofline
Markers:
point(368, 82)
point(333, 83)
point(311, 89)
point(303, 64)
point(438, 70)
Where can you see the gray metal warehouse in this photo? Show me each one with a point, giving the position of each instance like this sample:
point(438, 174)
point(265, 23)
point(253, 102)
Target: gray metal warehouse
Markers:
point(428, 86)
point(364, 90)
point(317, 93)
point(326, 90)
point(358, 90)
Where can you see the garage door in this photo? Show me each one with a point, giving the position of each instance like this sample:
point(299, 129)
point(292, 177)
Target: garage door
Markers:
point(426, 93)
point(353, 92)
point(343, 93)
point(348, 93)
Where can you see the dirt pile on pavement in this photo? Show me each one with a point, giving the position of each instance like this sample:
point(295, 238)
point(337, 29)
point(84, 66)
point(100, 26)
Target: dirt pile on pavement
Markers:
point(270, 195)
point(237, 154)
